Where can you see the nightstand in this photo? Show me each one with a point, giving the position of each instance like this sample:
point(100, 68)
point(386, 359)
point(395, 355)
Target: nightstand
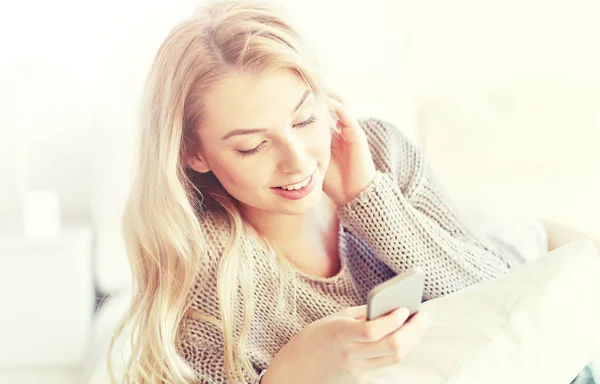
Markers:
point(46, 298)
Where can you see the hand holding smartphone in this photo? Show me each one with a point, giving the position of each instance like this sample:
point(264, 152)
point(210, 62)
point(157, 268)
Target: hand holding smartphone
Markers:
point(403, 290)
point(320, 351)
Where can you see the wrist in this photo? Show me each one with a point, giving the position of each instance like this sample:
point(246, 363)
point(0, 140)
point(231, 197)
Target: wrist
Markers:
point(359, 191)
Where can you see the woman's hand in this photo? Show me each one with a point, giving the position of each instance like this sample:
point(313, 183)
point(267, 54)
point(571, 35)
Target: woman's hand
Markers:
point(351, 168)
point(345, 348)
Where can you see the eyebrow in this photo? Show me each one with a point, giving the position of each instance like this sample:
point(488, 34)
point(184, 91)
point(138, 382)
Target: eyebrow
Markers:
point(256, 130)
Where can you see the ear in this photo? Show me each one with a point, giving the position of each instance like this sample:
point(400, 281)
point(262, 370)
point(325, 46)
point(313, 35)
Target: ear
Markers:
point(198, 163)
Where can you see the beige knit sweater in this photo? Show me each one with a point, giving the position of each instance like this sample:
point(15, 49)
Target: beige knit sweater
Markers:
point(401, 220)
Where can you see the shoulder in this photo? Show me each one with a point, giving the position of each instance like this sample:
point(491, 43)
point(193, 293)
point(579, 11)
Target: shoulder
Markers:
point(393, 152)
point(224, 244)
point(388, 143)
point(200, 324)
point(377, 128)
point(214, 236)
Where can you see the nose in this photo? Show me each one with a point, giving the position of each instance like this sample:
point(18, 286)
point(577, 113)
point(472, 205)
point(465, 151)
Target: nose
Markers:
point(294, 158)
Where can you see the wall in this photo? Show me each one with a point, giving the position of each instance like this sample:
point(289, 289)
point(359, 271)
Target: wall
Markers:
point(71, 74)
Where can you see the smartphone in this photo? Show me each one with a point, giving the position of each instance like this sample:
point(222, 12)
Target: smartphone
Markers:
point(403, 290)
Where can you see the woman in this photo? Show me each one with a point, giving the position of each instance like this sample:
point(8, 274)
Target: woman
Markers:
point(263, 212)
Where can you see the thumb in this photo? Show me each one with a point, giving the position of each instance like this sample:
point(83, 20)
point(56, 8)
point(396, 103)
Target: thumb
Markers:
point(358, 313)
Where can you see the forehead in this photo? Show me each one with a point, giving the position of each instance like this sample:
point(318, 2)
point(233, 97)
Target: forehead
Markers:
point(252, 101)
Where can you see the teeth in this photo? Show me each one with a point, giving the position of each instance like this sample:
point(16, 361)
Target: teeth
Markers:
point(298, 186)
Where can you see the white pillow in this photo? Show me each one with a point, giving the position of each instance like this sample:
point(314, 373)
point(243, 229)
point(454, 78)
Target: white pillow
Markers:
point(521, 239)
point(537, 324)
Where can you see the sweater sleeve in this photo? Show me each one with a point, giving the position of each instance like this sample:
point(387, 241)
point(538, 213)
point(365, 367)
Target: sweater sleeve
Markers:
point(407, 220)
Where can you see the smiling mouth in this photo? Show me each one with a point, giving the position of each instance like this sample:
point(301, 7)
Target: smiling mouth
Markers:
point(298, 185)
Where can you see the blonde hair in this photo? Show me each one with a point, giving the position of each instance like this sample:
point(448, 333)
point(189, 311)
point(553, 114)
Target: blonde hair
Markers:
point(162, 222)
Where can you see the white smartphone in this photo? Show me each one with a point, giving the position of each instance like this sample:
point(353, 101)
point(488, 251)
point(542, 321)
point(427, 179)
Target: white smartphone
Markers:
point(403, 290)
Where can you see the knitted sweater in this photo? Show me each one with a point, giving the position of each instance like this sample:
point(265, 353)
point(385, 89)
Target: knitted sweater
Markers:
point(401, 220)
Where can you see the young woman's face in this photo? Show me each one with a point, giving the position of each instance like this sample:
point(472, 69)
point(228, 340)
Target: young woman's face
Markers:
point(260, 133)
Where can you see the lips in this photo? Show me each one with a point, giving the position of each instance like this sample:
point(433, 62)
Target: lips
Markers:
point(297, 191)
point(305, 180)
point(299, 182)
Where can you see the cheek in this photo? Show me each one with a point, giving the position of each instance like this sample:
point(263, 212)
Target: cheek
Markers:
point(239, 177)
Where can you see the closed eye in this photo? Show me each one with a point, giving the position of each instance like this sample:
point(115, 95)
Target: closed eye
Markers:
point(251, 151)
point(309, 121)
point(255, 150)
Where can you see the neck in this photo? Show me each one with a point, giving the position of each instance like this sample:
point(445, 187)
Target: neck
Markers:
point(296, 232)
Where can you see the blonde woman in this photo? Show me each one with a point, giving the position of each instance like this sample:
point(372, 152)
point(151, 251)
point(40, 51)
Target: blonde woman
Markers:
point(263, 212)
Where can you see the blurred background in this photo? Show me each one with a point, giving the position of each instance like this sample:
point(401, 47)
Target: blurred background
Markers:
point(504, 96)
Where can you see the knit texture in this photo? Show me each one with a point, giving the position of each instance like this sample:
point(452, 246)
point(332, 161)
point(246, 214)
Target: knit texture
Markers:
point(401, 220)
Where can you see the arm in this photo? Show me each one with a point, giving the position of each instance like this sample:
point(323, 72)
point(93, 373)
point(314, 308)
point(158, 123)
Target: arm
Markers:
point(408, 221)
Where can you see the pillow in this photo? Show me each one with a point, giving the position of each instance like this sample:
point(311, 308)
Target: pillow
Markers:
point(538, 324)
point(521, 239)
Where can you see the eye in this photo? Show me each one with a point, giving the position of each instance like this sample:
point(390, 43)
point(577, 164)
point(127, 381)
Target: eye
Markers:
point(309, 121)
point(252, 151)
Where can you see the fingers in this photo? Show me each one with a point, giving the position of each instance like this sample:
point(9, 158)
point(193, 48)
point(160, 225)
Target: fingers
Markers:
point(336, 96)
point(341, 111)
point(394, 347)
point(371, 331)
point(347, 127)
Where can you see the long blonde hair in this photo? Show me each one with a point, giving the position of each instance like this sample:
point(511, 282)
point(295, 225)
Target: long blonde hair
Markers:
point(162, 227)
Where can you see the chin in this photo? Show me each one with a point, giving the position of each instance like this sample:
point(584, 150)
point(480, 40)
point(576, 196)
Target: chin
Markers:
point(297, 207)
